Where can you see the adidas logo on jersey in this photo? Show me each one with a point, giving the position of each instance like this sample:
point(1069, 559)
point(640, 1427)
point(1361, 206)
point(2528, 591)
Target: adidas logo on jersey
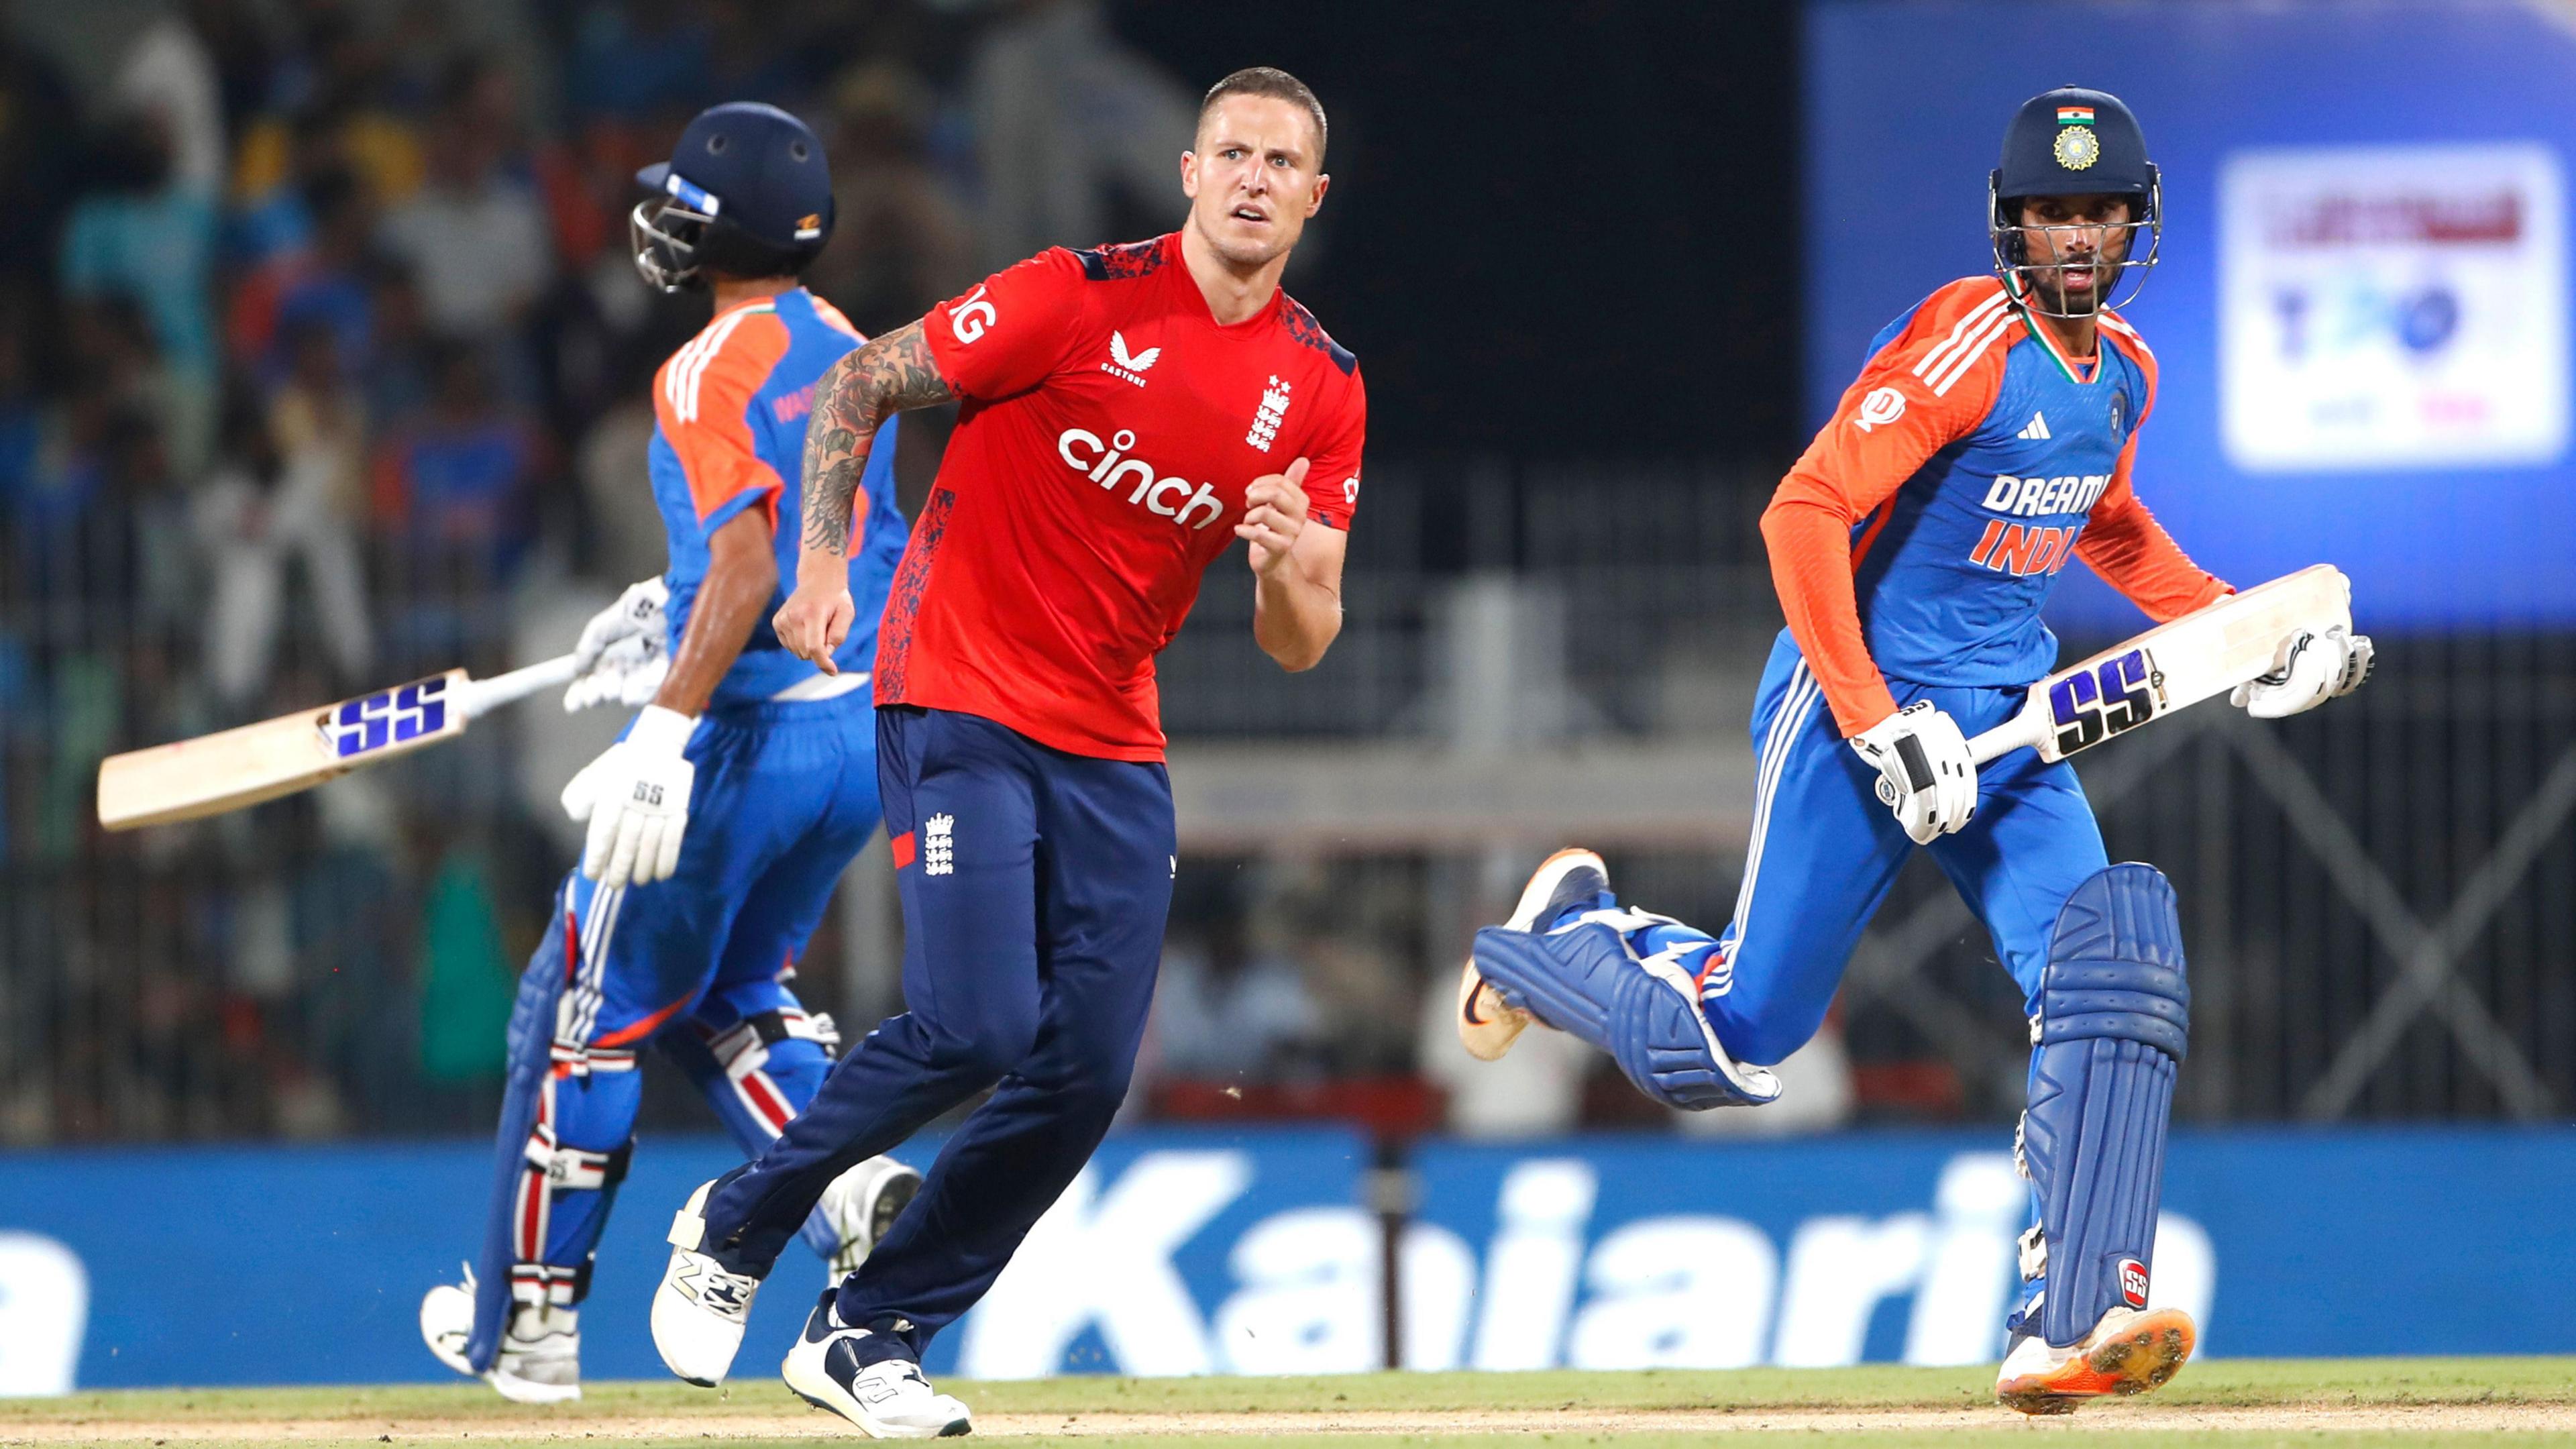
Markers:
point(2038, 428)
point(1128, 366)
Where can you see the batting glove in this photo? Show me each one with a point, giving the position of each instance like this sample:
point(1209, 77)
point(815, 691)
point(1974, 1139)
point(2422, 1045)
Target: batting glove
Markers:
point(1924, 771)
point(624, 650)
point(2314, 668)
point(636, 798)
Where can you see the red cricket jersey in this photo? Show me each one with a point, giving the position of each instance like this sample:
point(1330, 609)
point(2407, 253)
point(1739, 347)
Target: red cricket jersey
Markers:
point(1108, 432)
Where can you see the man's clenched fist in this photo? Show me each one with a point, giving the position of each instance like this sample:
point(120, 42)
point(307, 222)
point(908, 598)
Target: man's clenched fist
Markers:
point(1274, 513)
point(814, 621)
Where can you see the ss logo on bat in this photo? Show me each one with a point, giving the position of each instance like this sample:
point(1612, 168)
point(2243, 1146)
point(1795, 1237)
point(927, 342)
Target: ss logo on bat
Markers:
point(2117, 695)
point(363, 726)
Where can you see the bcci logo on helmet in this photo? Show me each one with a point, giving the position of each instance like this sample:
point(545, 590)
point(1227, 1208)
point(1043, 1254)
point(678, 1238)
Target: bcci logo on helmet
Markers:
point(2133, 1282)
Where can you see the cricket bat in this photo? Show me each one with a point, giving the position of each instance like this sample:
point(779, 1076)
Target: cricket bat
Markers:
point(242, 767)
point(2206, 652)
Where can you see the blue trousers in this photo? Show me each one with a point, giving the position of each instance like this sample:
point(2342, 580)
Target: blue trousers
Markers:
point(697, 965)
point(1824, 852)
point(1035, 887)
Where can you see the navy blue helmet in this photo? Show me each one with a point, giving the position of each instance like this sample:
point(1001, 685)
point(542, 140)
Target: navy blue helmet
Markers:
point(746, 192)
point(2070, 142)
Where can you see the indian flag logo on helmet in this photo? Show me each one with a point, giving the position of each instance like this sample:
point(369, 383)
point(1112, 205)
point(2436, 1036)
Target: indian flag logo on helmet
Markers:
point(2075, 115)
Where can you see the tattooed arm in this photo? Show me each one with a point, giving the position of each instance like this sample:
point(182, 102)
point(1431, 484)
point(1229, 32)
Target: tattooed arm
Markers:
point(855, 396)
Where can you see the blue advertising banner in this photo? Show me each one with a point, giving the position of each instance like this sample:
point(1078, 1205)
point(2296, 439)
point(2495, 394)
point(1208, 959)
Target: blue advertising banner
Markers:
point(306, 1265)
point(1624, 1253)
point(2362, 307)
point(1250, 1252)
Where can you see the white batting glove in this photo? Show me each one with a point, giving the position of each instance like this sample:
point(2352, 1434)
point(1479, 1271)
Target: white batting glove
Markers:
point(2314, 668)
point(1924, 772)
point(636, 798)
point(620, 646)
point(628, 672)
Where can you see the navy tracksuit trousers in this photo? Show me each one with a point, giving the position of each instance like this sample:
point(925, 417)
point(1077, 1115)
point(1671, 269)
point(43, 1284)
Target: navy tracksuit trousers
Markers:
point(1035, 889)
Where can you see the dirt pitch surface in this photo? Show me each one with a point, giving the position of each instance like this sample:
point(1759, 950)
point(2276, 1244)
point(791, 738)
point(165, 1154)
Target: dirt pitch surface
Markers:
point(2377, 1403)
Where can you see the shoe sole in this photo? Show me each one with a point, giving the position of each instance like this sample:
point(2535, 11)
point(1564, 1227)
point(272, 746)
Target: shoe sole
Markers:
point(1486, 1027)
point(2145, 1354)
point(832, 1399)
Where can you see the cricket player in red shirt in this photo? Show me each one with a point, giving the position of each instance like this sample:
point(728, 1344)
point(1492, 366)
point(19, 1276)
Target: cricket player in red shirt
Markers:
point(1127, 413)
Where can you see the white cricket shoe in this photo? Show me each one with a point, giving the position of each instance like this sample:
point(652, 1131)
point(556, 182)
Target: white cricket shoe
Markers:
point(861, 1204)
point(700, 1310)
point(540, 1358)
point(2128, 1352)
point(888, 1399)
point(1570, 877)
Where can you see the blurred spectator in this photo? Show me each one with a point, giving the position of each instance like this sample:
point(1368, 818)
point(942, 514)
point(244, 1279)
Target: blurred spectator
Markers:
point(289, 491)
point(474, 236)
point(1225, 1012)
point(169, 73)
point(148, 235)
point(453, 486)
point(639, 59)
point(900, 241)
point(627, 538)
point(39, 157)
point(1075, 132)
point(323, 280)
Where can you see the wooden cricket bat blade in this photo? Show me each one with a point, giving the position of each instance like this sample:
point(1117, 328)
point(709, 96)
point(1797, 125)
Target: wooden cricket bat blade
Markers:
point(242, 767)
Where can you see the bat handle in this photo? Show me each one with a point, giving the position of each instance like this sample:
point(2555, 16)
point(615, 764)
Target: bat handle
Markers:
point(2011, 735)
point(482, 696)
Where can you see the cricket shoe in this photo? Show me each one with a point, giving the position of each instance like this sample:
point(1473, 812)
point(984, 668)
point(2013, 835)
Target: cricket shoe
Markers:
point(701, 1308)
point(540, 1357)
point(2128, 1352)
point(1569, 880)
point(861, 1204)
point(868, 1379)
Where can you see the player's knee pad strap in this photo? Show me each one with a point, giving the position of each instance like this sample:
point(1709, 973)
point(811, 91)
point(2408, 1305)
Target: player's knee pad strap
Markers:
point(2112, 1028)
point(1585, 981)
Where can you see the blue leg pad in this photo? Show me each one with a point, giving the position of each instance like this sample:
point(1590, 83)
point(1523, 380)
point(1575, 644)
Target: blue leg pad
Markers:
point(1585, 980)
point(2113, 1026)
point(558, 1155)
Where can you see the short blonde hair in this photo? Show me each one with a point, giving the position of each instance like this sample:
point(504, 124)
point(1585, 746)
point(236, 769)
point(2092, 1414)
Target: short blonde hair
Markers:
point(1263, 80)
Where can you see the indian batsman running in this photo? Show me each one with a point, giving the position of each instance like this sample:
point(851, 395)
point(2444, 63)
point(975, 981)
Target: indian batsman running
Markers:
point(723, 817)
point(1989, 439)
point(1128, 413)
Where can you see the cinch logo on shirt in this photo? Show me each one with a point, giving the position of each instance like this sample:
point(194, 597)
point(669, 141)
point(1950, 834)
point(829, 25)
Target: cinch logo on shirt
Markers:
point(1109, 465)
point(2037, 497)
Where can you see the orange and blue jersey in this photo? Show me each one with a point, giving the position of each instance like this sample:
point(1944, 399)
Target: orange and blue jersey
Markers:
point(729, 434)
point(1925, 526)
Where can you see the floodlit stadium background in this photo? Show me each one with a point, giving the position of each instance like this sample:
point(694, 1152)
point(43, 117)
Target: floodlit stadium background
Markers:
point(1604, 265)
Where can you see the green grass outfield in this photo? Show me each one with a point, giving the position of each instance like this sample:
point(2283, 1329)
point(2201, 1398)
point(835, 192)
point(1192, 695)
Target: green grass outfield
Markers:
point(2384, 1402)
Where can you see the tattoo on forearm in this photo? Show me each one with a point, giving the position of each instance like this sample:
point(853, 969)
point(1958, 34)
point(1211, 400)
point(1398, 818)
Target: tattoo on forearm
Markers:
point(892, 373)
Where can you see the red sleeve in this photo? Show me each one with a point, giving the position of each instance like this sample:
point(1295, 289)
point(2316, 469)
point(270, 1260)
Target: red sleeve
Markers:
point(1009, 333)
point(1931, 386)
point(1333, 461)
point(703, 402)
point(2122, 540)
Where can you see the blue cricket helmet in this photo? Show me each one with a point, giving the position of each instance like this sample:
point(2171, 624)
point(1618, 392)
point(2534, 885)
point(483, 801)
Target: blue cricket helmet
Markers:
point(747, 191)
point(2067, 142)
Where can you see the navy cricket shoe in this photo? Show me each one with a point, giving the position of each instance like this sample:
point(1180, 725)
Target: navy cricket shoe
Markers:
point(1565, 884)
point(868, 1378)
point(1612, 976)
